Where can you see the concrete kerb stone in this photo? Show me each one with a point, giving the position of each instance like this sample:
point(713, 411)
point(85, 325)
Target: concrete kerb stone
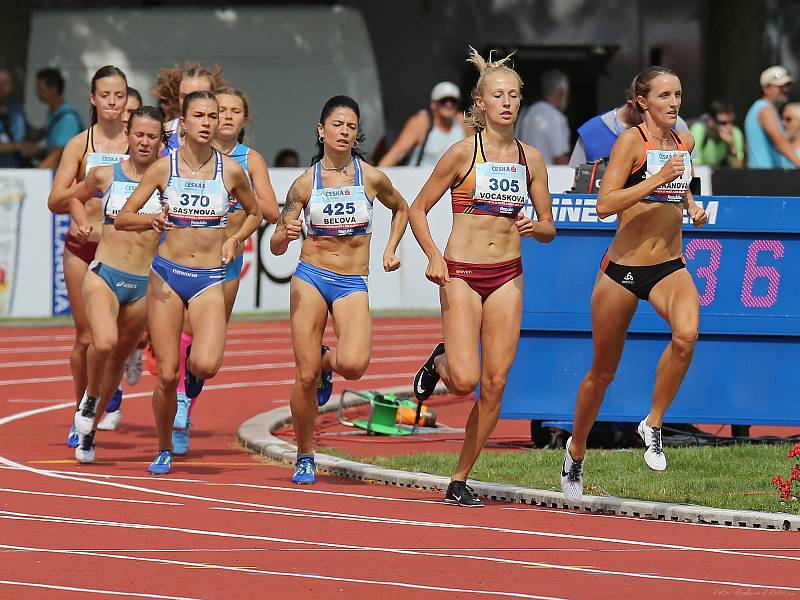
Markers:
point(256, 434)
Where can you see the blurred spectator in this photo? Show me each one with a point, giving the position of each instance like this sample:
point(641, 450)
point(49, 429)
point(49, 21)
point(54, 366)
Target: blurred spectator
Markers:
point(134, 102)
point(791, 122)
point(767, 144)
point(63, 121)
point(430, 132)
point(597, 135)
point(13, 126)
point(286, 158)
point(543, 125)
point(717, 141)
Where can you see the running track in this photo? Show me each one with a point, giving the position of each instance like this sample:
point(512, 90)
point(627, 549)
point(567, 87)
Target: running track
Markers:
point(226, 525)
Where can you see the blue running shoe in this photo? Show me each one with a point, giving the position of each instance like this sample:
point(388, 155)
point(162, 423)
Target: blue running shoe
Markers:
point(192, 383)
point(304, 470)
point(116, 401)
point(325, 387)
point(180, 439)
point(182, 414)
point(72, 438)
point(162, 463)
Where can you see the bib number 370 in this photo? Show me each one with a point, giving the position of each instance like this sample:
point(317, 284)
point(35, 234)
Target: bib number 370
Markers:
point(195, 200)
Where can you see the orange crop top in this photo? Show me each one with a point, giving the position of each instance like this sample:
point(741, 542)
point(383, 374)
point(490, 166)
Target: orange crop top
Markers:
point(650, 163)
point(490, 188)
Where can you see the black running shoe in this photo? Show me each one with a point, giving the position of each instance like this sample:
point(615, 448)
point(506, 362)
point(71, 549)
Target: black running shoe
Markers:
point(191, 382)
point(460, 494)
point(427, 377)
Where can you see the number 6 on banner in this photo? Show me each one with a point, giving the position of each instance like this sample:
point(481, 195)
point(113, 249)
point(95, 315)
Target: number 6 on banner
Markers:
point(754, 271)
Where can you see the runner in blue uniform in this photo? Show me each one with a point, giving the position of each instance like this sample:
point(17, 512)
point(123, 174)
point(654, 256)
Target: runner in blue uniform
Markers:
point(115, 285)
point(336, 197)
point(196, 183)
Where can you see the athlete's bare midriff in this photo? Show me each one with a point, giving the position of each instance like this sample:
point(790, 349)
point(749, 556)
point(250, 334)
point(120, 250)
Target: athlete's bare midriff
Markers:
point(482, 239)
point(648, 233)
point(346, 254)
point(128, 251)
point(199, 248)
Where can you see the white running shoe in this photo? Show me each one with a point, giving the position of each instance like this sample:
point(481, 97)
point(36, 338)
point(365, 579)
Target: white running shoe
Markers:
point(133, 367)
point(84, 453)
point(110, 421)
point(654, 453)
point(571, 475)
point(84, 416)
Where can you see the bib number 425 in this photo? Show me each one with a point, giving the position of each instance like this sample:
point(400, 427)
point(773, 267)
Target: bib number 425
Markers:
point(339, 209)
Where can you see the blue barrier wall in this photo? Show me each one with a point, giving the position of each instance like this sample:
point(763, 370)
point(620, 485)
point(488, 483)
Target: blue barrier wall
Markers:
point(746, 265)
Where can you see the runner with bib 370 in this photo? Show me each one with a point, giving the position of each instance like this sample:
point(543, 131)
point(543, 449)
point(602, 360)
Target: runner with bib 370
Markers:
point(491, 176)
point(336, 196)
point(196, 183)
point(646, 185)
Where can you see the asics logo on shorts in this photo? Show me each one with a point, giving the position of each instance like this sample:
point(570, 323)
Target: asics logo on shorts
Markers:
point(131, 286)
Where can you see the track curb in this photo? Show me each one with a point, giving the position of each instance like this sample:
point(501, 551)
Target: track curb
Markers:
point(256, 435)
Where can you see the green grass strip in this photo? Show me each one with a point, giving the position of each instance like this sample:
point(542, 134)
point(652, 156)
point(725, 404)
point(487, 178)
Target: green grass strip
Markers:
point(735, 477)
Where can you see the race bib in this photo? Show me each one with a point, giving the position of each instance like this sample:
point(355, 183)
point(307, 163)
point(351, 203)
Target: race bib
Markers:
point(197, 203)
point(500, 188)
point(102, 159)
point(118, 195)
point(339, 211)
point(674, 191)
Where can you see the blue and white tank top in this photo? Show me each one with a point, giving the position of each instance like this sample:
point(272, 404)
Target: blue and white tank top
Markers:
point(118, 193)
point(240, 154)
point(338, 211)
point(196, 202)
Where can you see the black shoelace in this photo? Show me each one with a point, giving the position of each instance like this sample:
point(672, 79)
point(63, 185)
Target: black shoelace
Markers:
point(88, 407)
point(655, 442)
point(575, 470)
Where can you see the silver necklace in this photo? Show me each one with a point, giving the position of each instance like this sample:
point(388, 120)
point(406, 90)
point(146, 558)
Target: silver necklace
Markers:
point(341, 170)
point(191, 168)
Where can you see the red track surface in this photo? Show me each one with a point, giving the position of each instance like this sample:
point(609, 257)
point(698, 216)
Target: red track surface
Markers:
point(225, 525)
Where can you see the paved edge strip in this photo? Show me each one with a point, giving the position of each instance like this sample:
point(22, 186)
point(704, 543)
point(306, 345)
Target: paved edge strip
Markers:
point(256, 435)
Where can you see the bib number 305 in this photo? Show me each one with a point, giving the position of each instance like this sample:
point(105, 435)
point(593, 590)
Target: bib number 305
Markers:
point(504, 185)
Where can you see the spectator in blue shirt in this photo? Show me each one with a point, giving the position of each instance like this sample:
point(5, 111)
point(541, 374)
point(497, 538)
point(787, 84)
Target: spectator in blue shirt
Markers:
point(13, 126)
point(768, 146)
point(63, 121)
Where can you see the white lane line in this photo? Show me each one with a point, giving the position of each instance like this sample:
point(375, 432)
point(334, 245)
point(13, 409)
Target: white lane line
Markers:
point(34, 380)
point(250, 571)
point(232, 341)
point(587, 570)
point(98, 498)
point(318, 514)
point(292, 490)
point(409, 548)
point(229, 354)
point(434, 326)
point(68, 588)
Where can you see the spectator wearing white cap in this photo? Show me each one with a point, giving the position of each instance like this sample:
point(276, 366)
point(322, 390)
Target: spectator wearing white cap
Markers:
point(430, 132)
point(768, 146)
point(543, 125)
